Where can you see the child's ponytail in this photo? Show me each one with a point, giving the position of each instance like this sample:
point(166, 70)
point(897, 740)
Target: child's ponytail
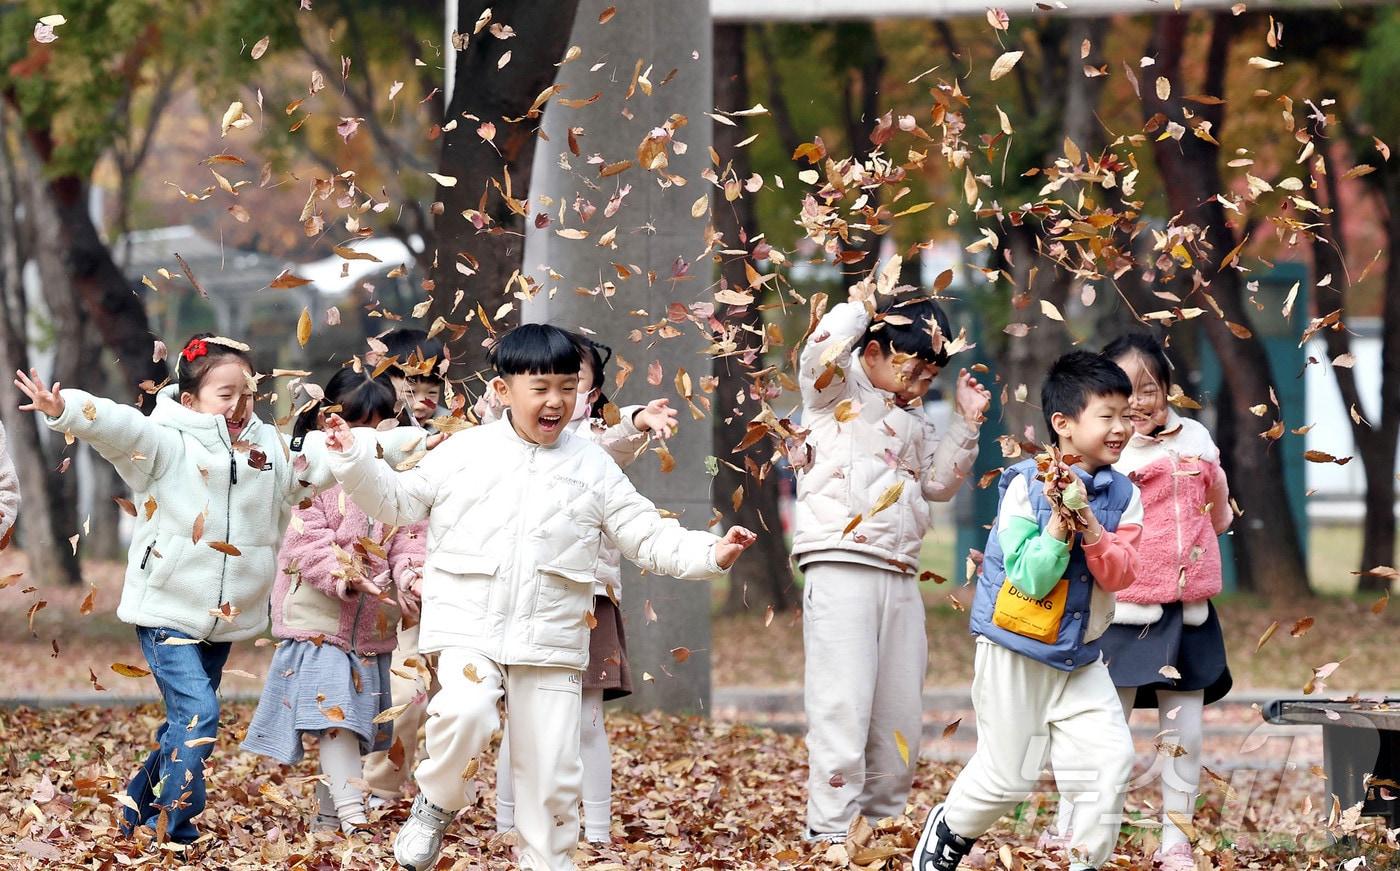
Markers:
point(353, 395)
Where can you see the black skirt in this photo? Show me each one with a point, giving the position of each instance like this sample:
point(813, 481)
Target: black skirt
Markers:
point(1135, 656)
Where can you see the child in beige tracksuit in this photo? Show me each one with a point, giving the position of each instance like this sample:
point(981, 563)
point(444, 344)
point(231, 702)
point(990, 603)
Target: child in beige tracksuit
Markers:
point(508, 582)
point(860, 520)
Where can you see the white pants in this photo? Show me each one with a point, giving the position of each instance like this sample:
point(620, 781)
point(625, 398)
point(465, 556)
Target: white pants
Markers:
point(1179, 717)
point(1027, 711)
point(596, 756)
point(386, 779)
point(866, 653)
point(544, 711)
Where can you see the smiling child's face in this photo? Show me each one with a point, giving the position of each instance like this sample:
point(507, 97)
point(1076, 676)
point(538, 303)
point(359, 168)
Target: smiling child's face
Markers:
point(1099, 433)
point(225, 391)
point(540, 405)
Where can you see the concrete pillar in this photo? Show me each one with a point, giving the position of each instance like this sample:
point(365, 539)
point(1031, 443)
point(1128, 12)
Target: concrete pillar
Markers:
point(654, 227)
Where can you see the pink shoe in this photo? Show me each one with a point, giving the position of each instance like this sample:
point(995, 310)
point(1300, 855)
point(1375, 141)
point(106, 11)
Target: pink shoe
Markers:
point(1178, 858)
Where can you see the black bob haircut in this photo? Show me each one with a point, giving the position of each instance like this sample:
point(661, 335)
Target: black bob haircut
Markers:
point(536, 349)
point(1075, 379)
point(914, 338)
point(1148, 348)
point(361, 399)
point(405, 343)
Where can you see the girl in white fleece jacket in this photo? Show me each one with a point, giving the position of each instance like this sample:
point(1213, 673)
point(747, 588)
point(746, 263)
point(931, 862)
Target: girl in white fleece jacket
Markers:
point(213, 487)
point(9, 492)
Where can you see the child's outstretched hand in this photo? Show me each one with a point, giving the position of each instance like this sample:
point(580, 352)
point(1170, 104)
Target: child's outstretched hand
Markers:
point(735, 541)
point(338, 435)
point(658, 417)
point(971, 399)
point(41, 398)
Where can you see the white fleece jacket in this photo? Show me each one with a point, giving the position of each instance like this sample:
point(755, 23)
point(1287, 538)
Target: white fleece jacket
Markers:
point(181, 465)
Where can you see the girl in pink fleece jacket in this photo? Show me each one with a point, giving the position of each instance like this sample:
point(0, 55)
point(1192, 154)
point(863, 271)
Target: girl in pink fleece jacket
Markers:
point(1165, 649)
point(342, 584)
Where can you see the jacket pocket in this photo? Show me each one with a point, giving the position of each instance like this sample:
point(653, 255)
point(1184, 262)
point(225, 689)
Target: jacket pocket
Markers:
point(562, 596)
point(307, 609)
point(162, 558)
point(457, 590)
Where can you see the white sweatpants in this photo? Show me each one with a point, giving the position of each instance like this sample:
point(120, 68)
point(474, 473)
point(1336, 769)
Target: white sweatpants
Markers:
point(866, 653)
point(596, 756)
point(386, 779)
point(544, 713)
point(1027, 711)
point(1180, 718)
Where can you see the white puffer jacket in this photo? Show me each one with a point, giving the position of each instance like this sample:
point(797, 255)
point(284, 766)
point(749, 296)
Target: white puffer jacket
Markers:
point(623, 443)
point(514, 534)
point(181, 464)
point(854, 463)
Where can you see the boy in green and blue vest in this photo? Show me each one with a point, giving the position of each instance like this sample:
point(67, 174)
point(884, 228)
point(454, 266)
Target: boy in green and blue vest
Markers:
point(1044, 597)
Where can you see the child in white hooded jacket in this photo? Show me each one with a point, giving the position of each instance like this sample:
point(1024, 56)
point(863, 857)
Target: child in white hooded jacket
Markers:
point(516, 511)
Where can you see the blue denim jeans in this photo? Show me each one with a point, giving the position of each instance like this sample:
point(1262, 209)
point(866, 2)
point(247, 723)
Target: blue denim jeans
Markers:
point(172, 777)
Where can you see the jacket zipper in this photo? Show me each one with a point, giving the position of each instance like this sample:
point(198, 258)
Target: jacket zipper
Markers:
point(1176, 511)
point(147, 557)
point(516, 580)
point(228, 533)
point(360, 599)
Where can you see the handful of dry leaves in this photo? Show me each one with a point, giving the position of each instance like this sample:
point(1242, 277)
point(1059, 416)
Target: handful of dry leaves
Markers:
point(1063, 487)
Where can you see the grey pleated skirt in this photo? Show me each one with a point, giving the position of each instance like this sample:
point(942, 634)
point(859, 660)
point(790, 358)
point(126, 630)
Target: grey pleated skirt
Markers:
point(314, 689)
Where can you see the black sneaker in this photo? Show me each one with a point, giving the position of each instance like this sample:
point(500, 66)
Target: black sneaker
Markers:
point(939, 848)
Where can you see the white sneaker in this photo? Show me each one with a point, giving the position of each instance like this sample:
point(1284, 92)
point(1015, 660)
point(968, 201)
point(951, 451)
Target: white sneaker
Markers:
point(326, 819)
point(420, 840)
point(812, 837)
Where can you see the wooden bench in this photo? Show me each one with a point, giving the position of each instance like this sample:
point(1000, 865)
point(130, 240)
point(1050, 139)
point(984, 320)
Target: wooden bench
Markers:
point(1358, 739)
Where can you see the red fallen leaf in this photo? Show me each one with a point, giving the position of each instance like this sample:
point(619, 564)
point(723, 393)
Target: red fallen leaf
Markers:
point(125, 670)
point(648, 611)
point(837, 781)
point(1301, 627)
point(768, 617)
point(86, 607)
point(989, 478)
point(225, 548)
point(334, 714)
point(285, 279)
point(654, 373)
point(951, 728)
point(680, 654)
point(590, 620)
point(126, 505)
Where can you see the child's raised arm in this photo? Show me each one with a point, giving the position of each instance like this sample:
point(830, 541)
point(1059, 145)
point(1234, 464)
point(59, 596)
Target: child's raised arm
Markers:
point(659, 544)
point(139, 449)
point(312, 473)
point(385, 494)
point(948, 465)
point(624, 440)
point(830, 345)
point(9, 488)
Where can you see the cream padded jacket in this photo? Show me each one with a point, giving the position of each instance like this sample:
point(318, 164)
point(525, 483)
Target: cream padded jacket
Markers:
point(854, 463)
point(515, 531)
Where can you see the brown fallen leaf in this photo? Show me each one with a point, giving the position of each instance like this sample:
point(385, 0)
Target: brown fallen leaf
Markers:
point(125, 670)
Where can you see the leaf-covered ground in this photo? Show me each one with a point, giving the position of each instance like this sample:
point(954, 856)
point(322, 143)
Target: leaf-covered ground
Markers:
point(60, 650)
point(690, 794)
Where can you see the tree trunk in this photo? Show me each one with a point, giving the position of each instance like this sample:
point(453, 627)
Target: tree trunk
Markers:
point(860, 98)
point(1269, 552)
point(48, 517)
point(763, 579)
point(473, 261)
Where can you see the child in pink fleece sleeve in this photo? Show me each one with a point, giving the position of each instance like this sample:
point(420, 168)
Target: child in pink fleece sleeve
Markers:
point(1165, 621)
point(336, 609)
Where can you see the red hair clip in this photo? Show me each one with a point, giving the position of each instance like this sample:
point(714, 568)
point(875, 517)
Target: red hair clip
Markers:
point(196, 348)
